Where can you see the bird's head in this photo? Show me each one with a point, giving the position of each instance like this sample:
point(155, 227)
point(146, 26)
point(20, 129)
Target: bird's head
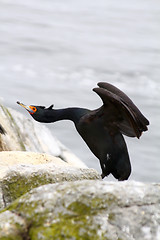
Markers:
point(37, 112)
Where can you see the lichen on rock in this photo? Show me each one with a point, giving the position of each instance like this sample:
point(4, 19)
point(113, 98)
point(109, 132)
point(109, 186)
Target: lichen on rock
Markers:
point(17, 177)
point(90, 209)
point(62, 214)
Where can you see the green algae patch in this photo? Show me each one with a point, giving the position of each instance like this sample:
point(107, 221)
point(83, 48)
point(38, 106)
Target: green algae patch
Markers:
point(29, 210)
point(79, 208)
point(111, 216)
point(104, 202)
point(65, 211)
point(75, 221)
point(78, 224)
point(48, 225)
point(16, 185)
point(11, 237)
point(67, 227)
point(65, 231)
point(92, 206)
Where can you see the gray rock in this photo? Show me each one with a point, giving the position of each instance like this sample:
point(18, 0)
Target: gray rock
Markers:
point(22, 171)
point(87, 210)
point(12, 226)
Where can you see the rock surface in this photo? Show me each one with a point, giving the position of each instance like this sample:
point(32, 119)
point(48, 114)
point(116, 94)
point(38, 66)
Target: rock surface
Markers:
point(23, 171)
point(85, 209)
point(43, 197)
point(23, 134)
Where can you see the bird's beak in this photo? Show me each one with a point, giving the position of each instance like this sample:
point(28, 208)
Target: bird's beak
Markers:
point(26, 107)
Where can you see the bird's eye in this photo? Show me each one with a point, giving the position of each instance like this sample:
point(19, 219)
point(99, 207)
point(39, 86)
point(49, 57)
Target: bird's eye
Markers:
point(34, 109)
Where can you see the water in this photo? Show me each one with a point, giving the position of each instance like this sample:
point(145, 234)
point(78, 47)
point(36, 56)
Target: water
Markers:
point(56, 52)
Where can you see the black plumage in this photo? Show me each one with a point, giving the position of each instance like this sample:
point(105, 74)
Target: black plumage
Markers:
point(102, 128)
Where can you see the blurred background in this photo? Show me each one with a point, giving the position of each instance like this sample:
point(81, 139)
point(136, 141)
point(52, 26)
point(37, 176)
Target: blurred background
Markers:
point(57, 51)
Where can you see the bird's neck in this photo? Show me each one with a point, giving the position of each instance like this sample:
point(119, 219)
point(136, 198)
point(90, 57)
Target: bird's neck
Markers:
point(73, 114)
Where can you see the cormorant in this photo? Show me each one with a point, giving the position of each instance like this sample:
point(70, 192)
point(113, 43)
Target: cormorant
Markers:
point(102, 128)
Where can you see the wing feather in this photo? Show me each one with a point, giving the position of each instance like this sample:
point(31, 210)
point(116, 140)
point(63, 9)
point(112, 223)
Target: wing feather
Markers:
point(126, 100)
point(120, 111)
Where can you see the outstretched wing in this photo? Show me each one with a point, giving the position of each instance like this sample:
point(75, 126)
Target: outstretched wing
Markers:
point(120, 112)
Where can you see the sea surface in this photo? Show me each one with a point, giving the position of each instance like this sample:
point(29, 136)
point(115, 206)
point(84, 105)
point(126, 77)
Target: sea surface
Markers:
point(57, 51)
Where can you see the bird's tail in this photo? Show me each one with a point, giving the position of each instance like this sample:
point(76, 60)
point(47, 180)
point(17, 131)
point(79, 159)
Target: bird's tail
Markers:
point(117, 161)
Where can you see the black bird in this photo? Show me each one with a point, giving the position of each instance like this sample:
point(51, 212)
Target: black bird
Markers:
point(102, 128)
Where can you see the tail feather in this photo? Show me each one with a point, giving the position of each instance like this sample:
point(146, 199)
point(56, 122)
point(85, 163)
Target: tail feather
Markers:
point(117, 161)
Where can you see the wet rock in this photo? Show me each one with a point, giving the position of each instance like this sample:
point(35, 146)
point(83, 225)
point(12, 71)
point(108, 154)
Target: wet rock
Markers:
point(22, 171)
point(23, 134)
point(85, 209)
